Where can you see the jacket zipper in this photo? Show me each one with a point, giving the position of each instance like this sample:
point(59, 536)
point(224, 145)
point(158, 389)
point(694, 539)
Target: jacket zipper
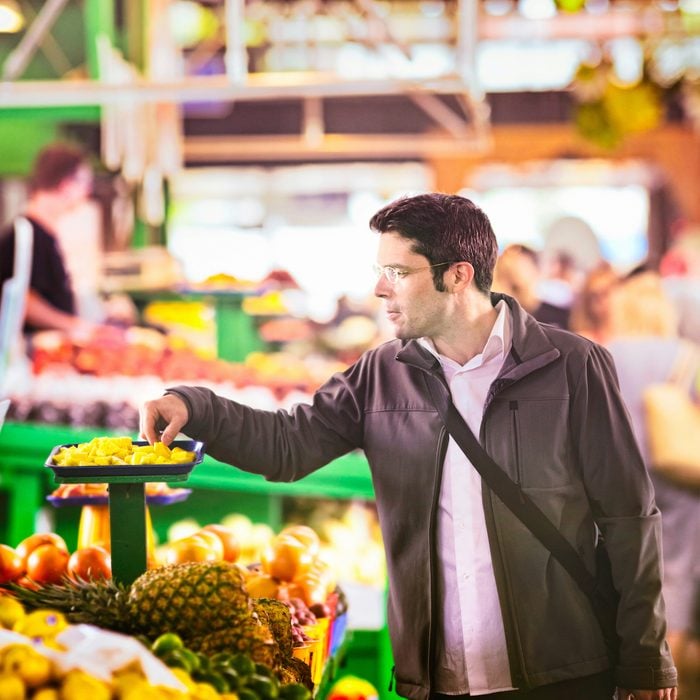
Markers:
point(391, 678)
point(439, 461)
point(516, 443)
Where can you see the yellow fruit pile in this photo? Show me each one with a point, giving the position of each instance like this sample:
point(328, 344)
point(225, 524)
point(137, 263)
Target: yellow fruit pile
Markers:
point(106, 451)
point(27, 671)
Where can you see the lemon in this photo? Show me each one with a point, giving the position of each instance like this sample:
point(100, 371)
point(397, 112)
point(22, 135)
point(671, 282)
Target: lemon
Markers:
point(183, 677)
point(35, 670)
point(204, 691)
point(41, 623)
point(140, 691)
point(78, 685)
point(13, 656)
point(46, 694)
point(11, 611)
point(12, 688)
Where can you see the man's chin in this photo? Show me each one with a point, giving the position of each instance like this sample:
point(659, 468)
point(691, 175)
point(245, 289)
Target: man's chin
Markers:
point(405, 334)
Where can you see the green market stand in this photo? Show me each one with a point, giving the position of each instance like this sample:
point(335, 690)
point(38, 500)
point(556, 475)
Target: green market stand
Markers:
point(218, 489)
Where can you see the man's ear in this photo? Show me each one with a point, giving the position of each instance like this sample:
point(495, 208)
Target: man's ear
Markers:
point(462, 275)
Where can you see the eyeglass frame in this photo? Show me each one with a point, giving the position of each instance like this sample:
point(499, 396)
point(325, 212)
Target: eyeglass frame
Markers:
point(393, 274)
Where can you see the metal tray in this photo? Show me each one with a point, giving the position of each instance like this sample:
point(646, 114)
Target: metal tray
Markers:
point(137, 470)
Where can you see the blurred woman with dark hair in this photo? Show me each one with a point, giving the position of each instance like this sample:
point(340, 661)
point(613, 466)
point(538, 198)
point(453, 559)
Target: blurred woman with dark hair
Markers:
point(60, 181)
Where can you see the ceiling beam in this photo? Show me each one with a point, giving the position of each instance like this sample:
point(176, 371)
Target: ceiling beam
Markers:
point(232, 149)
point(217, 88)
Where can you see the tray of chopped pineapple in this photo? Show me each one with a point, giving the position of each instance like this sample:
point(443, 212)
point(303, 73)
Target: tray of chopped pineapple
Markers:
point(122, 456)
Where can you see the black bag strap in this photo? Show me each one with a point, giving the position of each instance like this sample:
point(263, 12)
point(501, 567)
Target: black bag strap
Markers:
point(524, 508)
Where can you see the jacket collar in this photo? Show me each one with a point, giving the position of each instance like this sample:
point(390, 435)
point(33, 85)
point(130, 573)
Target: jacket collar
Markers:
point(531, 348)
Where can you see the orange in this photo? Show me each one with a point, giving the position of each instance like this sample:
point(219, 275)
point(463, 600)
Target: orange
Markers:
point(187, 549)
point(47, 564)
point(286, 557)
point(29, 544)
point(306, 535)
point(232, 545)
point(212, 541)
point(90, 563)
point(11, 564)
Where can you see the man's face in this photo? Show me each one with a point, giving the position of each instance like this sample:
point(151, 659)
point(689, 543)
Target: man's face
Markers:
point(413, 306)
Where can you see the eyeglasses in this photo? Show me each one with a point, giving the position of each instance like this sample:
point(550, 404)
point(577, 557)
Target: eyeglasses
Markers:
point(394, 274)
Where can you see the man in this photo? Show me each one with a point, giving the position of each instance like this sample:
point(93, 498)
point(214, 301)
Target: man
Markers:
point(477, 606)
point(61, 180)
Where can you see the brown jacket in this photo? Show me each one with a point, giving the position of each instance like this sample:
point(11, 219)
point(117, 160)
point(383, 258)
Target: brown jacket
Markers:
point(554, 420)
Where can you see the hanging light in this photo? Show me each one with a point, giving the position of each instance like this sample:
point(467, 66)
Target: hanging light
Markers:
point(11, 17)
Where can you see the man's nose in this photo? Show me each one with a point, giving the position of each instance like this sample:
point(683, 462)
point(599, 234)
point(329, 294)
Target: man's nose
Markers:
point(382, 288)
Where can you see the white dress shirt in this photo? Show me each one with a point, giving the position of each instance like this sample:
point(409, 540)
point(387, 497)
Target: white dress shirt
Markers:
point(471, 651)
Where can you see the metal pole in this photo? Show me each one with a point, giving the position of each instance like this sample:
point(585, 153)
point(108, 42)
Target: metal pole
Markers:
point(99, 26)
point(467, 40)
point(236, 55)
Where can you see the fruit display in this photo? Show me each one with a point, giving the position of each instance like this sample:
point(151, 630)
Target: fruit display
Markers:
point(44, 558)
point(198, 608)
point(203, 607)
point(274, 606)
point(125, 352)
point(350, 538)
point(44, 657)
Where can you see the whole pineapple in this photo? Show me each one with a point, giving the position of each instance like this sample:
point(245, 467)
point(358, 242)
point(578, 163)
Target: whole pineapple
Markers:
point(249, 636)
point(192, 599)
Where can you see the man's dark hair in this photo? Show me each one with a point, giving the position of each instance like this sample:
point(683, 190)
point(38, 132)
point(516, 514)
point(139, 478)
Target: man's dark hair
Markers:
point(54, 164)
point(443, 228)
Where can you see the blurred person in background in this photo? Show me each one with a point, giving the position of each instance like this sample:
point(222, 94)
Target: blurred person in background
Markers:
point(680, 273)
point(61, 180)
point(561, 279)
point(517, 274)
point(643, 340)
point(592, 307)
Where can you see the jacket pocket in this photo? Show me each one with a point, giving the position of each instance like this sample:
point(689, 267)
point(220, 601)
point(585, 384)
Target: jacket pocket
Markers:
point(537, 451)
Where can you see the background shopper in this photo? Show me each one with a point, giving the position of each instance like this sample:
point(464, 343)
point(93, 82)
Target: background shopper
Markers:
point(647, 350)
point(61, 180)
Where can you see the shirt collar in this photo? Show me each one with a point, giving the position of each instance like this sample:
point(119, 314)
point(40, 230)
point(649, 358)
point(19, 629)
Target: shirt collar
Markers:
point(497, 345)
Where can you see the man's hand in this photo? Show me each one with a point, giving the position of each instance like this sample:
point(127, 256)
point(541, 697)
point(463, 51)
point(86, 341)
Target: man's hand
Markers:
point(661, 694)
point(169, 411)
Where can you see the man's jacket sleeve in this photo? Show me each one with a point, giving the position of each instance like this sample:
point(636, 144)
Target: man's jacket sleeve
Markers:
point(280, 445)
point(622, 498)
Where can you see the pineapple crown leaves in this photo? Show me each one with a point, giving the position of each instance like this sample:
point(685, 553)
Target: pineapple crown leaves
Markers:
point(102, 603)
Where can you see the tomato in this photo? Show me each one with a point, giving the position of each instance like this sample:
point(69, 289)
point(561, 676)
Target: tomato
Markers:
point(232, 545)
point(286, 557)
point(90, 563)
point(29, 544)
point(47, 563)
point(11, 564)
